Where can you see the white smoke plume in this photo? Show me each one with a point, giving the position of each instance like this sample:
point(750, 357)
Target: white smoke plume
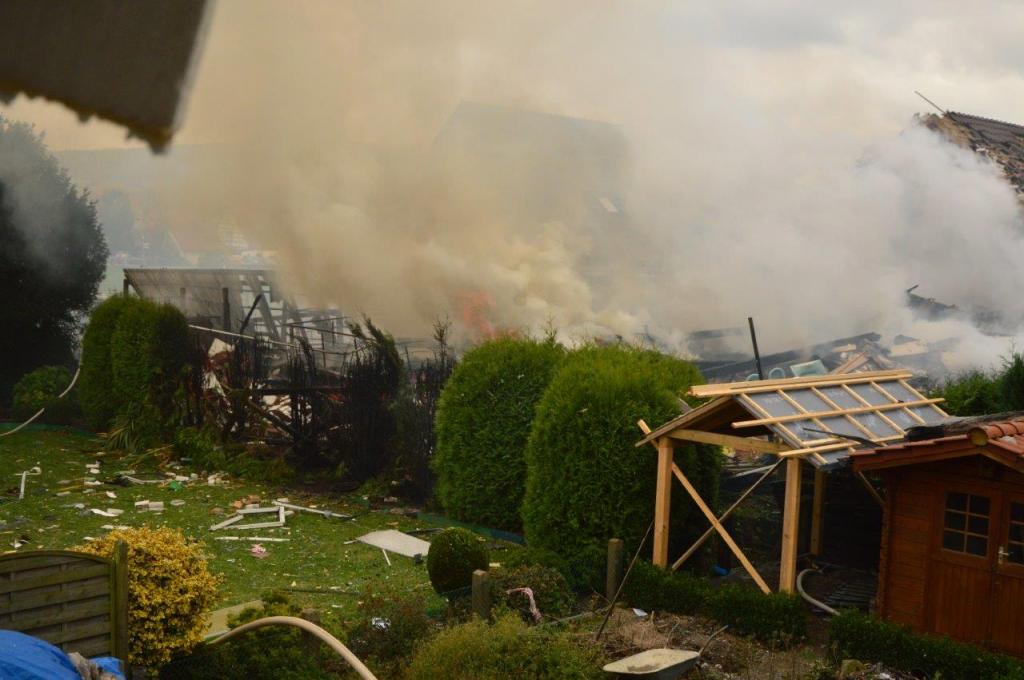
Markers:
point(772, 168)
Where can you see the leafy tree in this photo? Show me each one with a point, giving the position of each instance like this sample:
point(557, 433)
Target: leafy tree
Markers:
point(53, 255)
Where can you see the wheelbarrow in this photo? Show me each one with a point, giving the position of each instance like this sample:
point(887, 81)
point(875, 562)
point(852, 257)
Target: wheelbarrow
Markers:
point(660, 663)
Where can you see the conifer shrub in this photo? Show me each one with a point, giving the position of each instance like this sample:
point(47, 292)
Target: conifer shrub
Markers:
point(96, 381)
point(455, 554)
point(40, 389)
point(586, 481)
point(170, 589)
point(506, 649)
point(483, 423)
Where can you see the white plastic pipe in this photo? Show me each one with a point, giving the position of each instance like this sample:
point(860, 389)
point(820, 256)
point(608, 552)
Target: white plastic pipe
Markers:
point(331, 641)
point(800, 589)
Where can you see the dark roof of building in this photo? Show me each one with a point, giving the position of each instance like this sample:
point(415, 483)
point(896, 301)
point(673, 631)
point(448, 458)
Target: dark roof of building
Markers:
point(998, 140)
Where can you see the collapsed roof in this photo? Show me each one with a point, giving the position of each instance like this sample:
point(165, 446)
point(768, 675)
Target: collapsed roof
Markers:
point(997, 140)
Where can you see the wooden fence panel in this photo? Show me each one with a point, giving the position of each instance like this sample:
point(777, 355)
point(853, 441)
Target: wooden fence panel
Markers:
point(75, 601)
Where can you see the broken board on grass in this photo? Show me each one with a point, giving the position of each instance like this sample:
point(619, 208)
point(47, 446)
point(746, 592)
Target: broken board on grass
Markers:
point(396, 542)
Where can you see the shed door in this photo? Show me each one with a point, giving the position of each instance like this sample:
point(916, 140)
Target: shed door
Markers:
point(1007, 632)
point(962, 569)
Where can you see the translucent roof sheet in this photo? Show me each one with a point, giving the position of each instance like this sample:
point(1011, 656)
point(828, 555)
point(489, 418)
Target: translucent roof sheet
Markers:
point(822, 417)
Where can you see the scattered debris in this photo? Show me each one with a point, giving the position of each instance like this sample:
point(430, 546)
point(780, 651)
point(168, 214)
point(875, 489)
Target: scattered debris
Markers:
point(299, 508)
point(33, 472)
point(396, 542)
point(386, 558)
point(104, 513)
point(135, 480)
point(258, 551)
point(111, 494)
point(242, 512)
point(528, 592)
point(268, 539)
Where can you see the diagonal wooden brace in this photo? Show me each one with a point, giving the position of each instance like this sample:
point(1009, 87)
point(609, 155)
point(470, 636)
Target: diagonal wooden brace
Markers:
point(707, 534)
point(720, 529)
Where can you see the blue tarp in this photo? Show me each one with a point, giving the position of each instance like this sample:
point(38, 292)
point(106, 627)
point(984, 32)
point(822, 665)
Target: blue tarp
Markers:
point(23, 657)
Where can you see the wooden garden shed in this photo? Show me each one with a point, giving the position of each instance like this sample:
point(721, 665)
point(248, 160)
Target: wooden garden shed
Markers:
point(814, 420)
point(952, 556)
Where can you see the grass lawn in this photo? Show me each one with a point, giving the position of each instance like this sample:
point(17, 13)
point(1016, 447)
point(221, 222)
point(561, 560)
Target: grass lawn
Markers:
point(318, 554)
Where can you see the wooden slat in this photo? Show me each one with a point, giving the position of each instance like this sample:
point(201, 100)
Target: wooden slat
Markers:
point(829, 414)
point(70, 592)
point(756, 386)
point(853, 421)
point(79, 572)
point(732, 441)
point(720, 529)
point(96, 646)
point(77, 632)
point(935, 408)
point(885, 393)
point(889, 421)
point(663, 501)
point(24, 562)
point(119, 600)
point(790, 526)
point(45, 616)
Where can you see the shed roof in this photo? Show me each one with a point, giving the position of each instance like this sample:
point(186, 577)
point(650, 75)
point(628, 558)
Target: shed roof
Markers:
point(1002, 441)
point(824, 417)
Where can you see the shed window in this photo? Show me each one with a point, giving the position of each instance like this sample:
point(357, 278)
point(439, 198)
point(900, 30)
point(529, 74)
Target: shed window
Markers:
point(1015, 544)
point(966, 525)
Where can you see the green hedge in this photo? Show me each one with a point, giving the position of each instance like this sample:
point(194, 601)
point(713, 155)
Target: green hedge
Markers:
point(40, 389)
point(586, 481)
point(454, 555)
point(96, 381)
point(134, 356)
point(483, 422)
point(775, 617)
point(855, 635)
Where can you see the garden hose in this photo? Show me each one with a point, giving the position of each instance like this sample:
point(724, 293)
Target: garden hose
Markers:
point(74, 379)
point(331, 641)
point(800, 589)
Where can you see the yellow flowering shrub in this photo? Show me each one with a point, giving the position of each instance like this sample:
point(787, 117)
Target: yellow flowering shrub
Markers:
point(170, 590)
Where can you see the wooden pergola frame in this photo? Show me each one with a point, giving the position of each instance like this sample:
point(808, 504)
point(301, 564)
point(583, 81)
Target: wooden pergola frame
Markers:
point(772, 414)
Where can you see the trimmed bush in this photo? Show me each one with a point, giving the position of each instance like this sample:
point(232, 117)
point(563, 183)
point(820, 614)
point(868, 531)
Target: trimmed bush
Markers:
point(170, 590)
point(551, 592)
point(454, 555)
point(483, 423)
point(134, 356)
point(96, 381)
point(388, 627)
point(772, 617)
point(507, 649)
point(40, 389)
point(650, 587)
point(586, 481)
point(855, 635)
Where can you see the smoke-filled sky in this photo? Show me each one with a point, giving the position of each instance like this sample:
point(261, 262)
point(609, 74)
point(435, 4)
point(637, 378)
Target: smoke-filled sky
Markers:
point(772, 166)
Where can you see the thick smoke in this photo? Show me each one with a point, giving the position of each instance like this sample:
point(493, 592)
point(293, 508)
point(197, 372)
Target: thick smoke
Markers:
point(770, 166)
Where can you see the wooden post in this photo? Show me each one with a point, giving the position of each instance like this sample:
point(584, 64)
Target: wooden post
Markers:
point(663, 501)
point(817, 525)
point(119, 601)
point(225, 294)
point(616, 559)
point(790, 527)
point(481, 598)
point(124, 287)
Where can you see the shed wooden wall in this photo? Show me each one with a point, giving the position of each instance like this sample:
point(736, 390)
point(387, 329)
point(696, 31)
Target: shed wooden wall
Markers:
point(913, 496)
point(903, 564)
